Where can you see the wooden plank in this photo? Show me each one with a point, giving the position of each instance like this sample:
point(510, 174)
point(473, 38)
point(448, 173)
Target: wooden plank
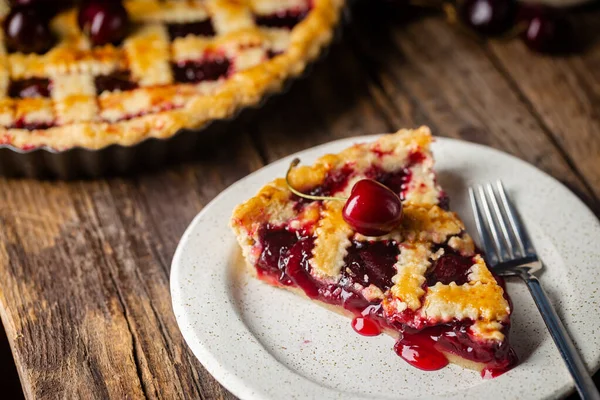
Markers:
point(334, 103)
point(563, 93)
point(85, 295)
point(452, 85)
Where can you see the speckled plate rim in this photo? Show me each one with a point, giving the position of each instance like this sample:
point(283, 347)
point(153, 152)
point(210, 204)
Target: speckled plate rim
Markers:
point(201, 288)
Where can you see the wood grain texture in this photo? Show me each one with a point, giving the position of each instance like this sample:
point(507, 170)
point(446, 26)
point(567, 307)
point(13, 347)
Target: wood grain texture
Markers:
point(84, 266)
point(562, 94)
point(85, 289)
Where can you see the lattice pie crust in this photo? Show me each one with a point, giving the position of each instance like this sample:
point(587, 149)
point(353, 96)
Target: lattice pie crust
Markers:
point(260, 57)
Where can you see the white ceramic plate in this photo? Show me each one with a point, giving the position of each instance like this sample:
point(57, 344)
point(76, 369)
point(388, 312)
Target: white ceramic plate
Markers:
point(265, 343)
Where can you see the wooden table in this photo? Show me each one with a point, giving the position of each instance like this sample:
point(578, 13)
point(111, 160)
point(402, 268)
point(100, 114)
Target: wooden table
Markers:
point(84, 266)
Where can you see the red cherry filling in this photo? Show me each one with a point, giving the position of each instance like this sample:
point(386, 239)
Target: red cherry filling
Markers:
point(276, 244)
point(371, 263)
point(396, 181)
point(334, 182)
point(282, 19)
point(296, 266)
point(372, 208)
point(200, 28)
point(286, 254)
point(29, 88)
point(209, 69)
point(119, 80)
point(32, 126)
point(451, 267)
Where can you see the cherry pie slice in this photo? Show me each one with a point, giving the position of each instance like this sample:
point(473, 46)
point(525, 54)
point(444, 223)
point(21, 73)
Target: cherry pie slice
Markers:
point(423, 283)
point(180, 64)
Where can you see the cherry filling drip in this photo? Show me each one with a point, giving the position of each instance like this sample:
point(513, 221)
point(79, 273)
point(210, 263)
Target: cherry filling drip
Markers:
point(200, 28)
point(209, 69)
point(282, 19)
point(371, 263)
point(119, 80)
point(366, 326)
point(426, 349)
point(29, 88)
point(451, 267)
point(419, 351)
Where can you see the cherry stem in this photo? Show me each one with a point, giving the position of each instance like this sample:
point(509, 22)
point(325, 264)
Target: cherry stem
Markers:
point(294, 163)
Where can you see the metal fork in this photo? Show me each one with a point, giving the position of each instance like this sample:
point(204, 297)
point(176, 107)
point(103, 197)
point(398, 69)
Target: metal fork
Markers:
point(509, 252)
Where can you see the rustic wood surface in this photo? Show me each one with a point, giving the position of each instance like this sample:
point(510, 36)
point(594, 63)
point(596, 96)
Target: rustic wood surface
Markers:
point(84, 266)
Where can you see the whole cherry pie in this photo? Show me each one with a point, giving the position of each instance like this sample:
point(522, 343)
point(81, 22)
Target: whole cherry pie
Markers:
point(112, 72)
point(419, 278)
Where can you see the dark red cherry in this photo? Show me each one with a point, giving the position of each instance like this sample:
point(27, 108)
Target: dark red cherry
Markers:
point(488, 17)
point(372, 209)
point(104, 21)
point(27, 31)
point(546, 30)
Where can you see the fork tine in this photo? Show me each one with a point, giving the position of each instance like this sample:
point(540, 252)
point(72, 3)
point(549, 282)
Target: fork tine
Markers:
point(491, 224)
point(484, 235)
point(516, 224)
point(508, 239)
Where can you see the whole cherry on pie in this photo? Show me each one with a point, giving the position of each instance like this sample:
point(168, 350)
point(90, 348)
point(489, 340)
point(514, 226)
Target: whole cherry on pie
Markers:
point(372, 209)
point(104, 21)
point(27, 31)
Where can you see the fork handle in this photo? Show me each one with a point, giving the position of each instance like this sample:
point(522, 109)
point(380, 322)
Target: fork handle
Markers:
point(583, 381)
